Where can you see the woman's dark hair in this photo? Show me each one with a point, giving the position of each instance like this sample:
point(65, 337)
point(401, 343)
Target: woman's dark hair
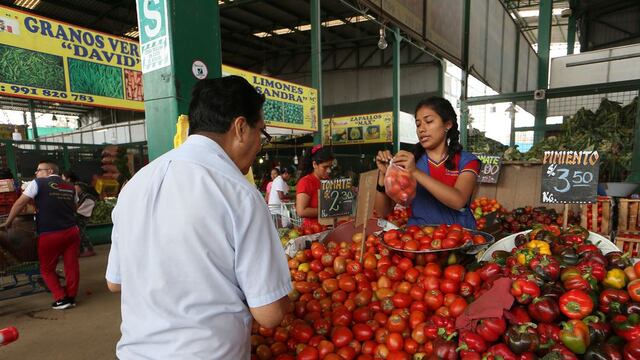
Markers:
point(73, 178)
point(444, 109)
point(320, 155)
point(216, 102)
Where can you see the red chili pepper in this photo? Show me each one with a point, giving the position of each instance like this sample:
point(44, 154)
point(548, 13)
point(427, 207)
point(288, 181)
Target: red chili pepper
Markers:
point(491, 329)
point(471, 342)
point(500, 351)
point(632, 350)
point(593, 268)
point(612, 300)
point(525, 290)
point(627, 327)
point(576, 304)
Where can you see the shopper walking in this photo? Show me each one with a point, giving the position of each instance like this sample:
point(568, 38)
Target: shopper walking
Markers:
point(58, 234)
point(87, 197)
point(194, 251)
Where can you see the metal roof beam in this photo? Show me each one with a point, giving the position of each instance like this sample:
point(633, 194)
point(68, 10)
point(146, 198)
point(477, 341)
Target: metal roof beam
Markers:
point(74, 6)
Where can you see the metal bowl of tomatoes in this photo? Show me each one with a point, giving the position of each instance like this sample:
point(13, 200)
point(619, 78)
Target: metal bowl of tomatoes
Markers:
point(431, 238)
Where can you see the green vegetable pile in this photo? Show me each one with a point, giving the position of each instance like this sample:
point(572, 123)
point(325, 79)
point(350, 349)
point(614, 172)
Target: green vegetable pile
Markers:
point(96, 79)
point(31, 68)
point(102, 212)
point(479, 143)
point(609, 130)
point(283, 111)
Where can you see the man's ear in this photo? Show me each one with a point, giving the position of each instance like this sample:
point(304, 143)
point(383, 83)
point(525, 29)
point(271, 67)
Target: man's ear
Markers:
point(240, 128)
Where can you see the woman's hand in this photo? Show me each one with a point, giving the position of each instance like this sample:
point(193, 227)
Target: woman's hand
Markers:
point(405, 160)
point(382, 160)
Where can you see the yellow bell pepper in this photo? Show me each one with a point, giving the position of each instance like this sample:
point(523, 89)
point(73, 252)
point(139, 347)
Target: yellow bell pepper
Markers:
point(524, 256)
point(539, 246)
point(616, 278)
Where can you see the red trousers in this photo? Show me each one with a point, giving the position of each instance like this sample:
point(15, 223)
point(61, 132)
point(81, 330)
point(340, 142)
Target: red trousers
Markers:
point(51, 246)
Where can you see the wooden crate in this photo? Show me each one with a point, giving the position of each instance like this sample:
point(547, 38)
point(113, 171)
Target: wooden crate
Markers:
point(629, 242)
point(602, 206)
point(628, 215)
point(519, 186)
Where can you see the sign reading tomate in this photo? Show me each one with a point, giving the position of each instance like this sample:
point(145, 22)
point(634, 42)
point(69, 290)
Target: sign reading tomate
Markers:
point(41, 58)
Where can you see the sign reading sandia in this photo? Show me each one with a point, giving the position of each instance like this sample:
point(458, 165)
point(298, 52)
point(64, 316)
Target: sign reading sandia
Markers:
point(358, 129)
point(41, 58)
point(288, 105)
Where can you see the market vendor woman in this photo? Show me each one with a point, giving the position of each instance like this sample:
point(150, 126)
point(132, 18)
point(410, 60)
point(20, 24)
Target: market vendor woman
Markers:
point(446, 175)
point(315, 167)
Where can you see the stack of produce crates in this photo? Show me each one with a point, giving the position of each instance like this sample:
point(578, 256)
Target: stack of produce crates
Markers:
point(598, 217)
point(628, 235)
point(8, 196)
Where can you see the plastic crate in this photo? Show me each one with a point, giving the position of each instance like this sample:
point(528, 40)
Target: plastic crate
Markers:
point(628, 215)
point(629, 242)
point(8, 198)
point(600, 220)
point(7, 185)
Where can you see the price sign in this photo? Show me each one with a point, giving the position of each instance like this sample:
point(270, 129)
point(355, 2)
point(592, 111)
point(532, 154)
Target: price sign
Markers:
point(490, 170)
point(570, 177)
point(336, 198)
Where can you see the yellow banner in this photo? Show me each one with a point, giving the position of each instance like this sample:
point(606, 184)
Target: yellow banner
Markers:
point(287, 105)
point(358, 129)
point(45, 59)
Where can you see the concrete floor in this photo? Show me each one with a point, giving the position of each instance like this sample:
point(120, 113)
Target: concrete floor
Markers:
point(88, 331)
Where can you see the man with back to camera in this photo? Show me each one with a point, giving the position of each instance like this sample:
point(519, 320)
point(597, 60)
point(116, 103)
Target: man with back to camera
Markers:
point(194, 252)
point(58, 234)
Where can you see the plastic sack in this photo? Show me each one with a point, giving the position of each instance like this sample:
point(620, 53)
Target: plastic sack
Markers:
point(399, 185)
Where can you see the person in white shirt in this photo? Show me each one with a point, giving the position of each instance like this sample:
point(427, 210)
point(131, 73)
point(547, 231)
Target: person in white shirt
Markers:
point(280, 188)
point(194, 252)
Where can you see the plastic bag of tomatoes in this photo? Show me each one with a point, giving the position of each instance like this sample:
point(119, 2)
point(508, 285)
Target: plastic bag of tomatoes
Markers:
point(399, 185)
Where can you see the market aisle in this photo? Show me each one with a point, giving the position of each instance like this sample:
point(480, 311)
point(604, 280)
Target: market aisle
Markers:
point(88, 331)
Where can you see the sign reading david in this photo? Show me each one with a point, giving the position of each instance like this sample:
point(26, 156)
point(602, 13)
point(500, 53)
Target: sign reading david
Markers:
point(45, 59)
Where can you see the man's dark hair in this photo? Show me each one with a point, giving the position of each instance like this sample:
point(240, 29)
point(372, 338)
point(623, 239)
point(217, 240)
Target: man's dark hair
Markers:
point(52, 165)
point(215, 103)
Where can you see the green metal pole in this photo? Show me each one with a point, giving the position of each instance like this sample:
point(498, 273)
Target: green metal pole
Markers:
point(176, 38)
point(544, 43)
point(571, 34)
point(316, 63)
point(635, 155)
point(66, 163)
point(464, 109)
point(440, 65)
point(397, 40)
point(11, 157)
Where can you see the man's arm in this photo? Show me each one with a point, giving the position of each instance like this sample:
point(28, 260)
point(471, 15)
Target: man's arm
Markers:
point(22, 201)
point(271, 315)
point(115, 288)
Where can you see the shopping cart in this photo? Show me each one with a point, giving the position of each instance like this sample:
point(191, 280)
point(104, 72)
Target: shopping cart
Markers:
point(284, 215)
point(19, 267)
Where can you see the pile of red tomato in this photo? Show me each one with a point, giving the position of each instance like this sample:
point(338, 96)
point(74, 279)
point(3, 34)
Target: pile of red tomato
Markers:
point(400, 186)
point(399, 217)
point(415, 238)
point(388, 306)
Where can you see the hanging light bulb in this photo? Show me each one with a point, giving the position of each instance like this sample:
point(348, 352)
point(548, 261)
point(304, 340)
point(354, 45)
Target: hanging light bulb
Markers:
point(295, 160)
point(260, 161)
point(382, 43)
point(266, 156)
